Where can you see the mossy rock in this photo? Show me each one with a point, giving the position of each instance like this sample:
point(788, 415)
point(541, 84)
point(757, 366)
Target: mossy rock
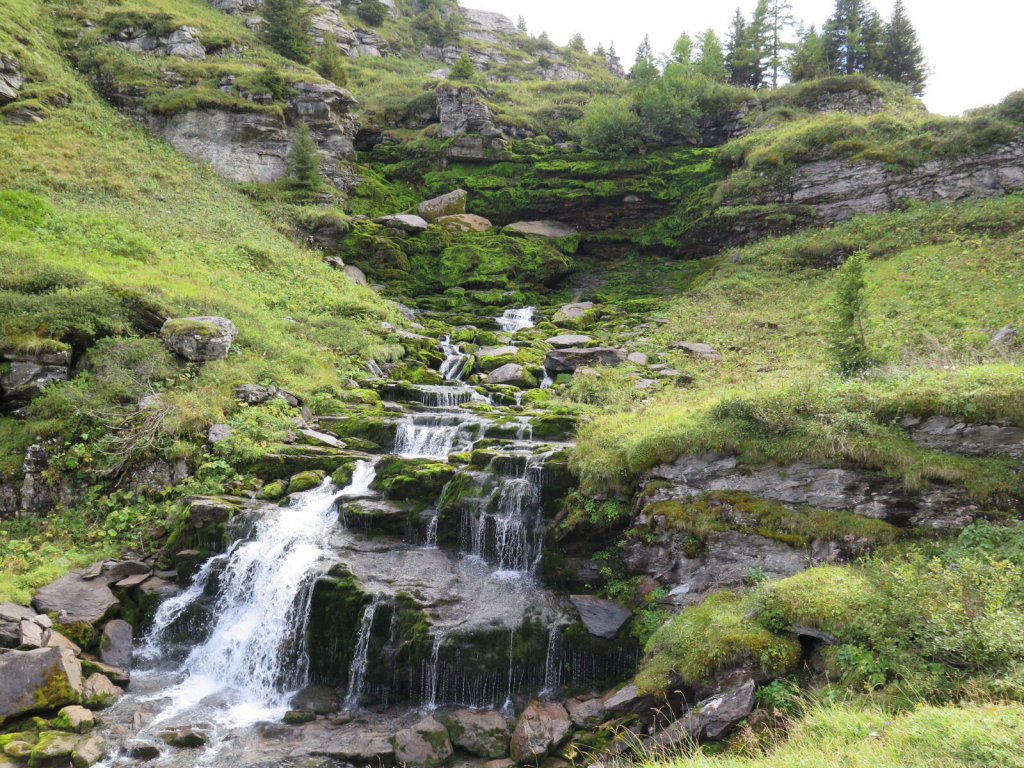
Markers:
point(282, 461)
point(553, 427)
point(299, 716)
point(334, 612)
point(274, 491)
point(342, 476)
point(420, 479)
point(305, 481)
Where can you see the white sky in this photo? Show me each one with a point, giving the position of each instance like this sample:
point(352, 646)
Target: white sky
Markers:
point(972, 47)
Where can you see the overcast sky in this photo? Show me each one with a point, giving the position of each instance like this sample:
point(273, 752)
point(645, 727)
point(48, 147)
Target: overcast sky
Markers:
point(972, 47)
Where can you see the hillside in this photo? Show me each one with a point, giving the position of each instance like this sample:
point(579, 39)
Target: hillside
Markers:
point(428, 391)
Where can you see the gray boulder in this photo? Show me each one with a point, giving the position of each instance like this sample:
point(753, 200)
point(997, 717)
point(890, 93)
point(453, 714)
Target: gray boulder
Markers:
point(199, 339)
point(355, 274)
point(424, 745)
point(602, 618)
point(257, 394)
point(183, 42)
point(480, 732)
point(462, 109)
point(564, 340)
point(10, 79)
point(513, 375)
point(406, 222)
point(38, 680)
point(75, 599)
point(711, 718)
point(24, 380)
point(542, 728)
point(545, 228)
point(573, 314)
point(699, 350)
point(569, 359)
point(444, 205)
point(584, 712)
point(11, 617)
point(116, 641)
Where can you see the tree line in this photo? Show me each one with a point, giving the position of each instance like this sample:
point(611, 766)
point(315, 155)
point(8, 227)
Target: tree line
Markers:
point(771, 46)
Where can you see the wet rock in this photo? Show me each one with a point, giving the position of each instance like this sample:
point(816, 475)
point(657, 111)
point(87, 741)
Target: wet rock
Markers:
point(38, 680)
point(115, 571)
point(360, 746)
point(447, 204)
point(74, 718)
point(405, 222)
point(142, 750)
point(462, 223)
point(491, 358)
point(586, 712)
point(602, 618)
point(318, 698)
point(98, 692)
point(542, 728)
point(463, 109)
point(483, 733)
point(710, 719)
point(425, 745)
point(513, 375)
point(569, 359)
point(75, 599)
point(116, 643)
point(545, 228)
point(305, 481)
point(299, 716)
point(52, 746)
point(698, 350)
point(184, 737)
point(628, 700)
point(10, 79)
point(257, 394)
point(565, 340)
point(88, 752)
point(199, 339)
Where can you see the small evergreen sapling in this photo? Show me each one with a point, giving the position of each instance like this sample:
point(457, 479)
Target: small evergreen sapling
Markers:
point(304, 161)
point(463, 69)
point(330, 61)
point(847, 337)
point(289, 23)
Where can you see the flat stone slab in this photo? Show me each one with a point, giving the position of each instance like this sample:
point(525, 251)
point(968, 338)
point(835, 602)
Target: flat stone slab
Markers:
point(544, 228)
point(406, 221)
point(602, 618)
point(75, 599)
point(569, 340)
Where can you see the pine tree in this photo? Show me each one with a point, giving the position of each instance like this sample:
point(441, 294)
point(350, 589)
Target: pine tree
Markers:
point(682, 51)
point(330, 61)
point(737, 56)
point(577, 43)
point(809, 60)
point(289, 23)
point(847, 338)
point(710, 57)
point(903, 57)
point(304, 160)
point(521, 26)
point(600, 51)
point(614, 62)
point(780, 21)
point(463, 69)
point(846, 45)
point(759, 44)
point(644, 70)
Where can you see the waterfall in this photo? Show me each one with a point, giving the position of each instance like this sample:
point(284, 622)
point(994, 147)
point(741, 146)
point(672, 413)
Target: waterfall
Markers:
point(362, 476)
point(547, 382)
point(361, 655)
point(433, 677)
point(432, 440)
point(553, 661)
point(432, 531)
point(255, 650)
point(513, 320)
point(456, 362)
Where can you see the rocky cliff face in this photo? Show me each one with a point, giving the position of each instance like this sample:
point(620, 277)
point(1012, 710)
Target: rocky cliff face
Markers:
point(828, 191)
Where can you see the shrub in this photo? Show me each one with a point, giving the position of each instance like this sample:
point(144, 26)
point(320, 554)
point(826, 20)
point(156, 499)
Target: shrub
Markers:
point(846, 331)
point(288, 25)
point(373, 12)
point(610, 126)
point(330, 62)
point(463, 69)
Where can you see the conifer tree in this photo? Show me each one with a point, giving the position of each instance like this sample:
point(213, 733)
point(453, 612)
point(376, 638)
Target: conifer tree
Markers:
point(304, 160)
point(289, 23)
point(759, 44)
point(577, 43)
point(330, 61)
point(846, 45)
point(521, 25)
point(780, 21)
point(710, 57)
point(463, 69)
point(737, 55)
point(903, 59)
point(682, 51)
point(847, 338)
point(809, 60)
point(600, 51)
point(644, 69)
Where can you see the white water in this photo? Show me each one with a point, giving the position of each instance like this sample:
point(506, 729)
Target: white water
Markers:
point(360, 656)
point(433, 676)
point(552, 667)
point(363, 475)
point(425, 441)
point(513, 320)
point(456, 362)
point(547, 382)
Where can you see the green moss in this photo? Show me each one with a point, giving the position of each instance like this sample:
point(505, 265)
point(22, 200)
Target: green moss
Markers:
point(55, 693)
point(416, 479)
point(273, 491)
point(305, 481)
point(335, 608)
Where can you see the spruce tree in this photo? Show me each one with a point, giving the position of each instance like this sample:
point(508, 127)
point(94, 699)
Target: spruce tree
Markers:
point(644, 69)
point(759, 44)
point(903, 57)
point(304, 160)
point(463, 69)
point(809, 60)
point(577, 43)
point(330, 61)
point(710, 57)
point(847, 338)
point(289, 23)
point(847, 42)
point(521, 26)
point(737, 55)
point(780, 21)
point(682, 51)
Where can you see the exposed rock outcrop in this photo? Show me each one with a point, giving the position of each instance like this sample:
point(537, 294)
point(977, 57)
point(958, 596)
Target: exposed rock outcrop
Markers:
point(569, 359)
point(462, 109)
point(11, 79)
point(199, 339)
point(38, 680)
point(183, 42)
point(711, 718)
point(547, 228)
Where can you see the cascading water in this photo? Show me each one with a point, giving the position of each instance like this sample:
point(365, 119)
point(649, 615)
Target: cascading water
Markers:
point(361, 654)
point(552, 662)
point(456, 362)
point(432, 678)
point(513, 320)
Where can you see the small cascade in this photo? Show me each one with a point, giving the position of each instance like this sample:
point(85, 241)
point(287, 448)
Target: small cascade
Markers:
point(456, 362)
point(363, 475)
point(432, 678)
point(425, 438)
point(553, 662)
point(431, 538)
point(513, 320)
point(361, 654)
point(547, 382)
point(448, 397)
point(509, 707)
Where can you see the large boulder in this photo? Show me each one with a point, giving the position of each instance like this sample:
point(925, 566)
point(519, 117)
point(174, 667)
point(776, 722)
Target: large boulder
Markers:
point(483, 733)
point(542, 728)
point(98, 692)
point(463, 223)
point(512, 374)
point(586, 712)
point(564, 340)
point(76, 599)
point(491, 358)
point(116, 642)
point(569, 359)
point(448, 204)
point(38, 681)
point(545, 228)
point(24, 380)
point(602, 618)
point(463, 109)
point(710, 719)
point(424, 745)
point(574, 315)
point(199, 339)
point(10, 79)
point(406, 222)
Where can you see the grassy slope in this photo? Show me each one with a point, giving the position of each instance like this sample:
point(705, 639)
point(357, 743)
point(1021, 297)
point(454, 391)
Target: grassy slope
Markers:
point(89, 196)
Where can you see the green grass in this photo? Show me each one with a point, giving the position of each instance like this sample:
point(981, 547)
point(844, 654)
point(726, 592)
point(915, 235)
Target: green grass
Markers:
point(855, 736)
